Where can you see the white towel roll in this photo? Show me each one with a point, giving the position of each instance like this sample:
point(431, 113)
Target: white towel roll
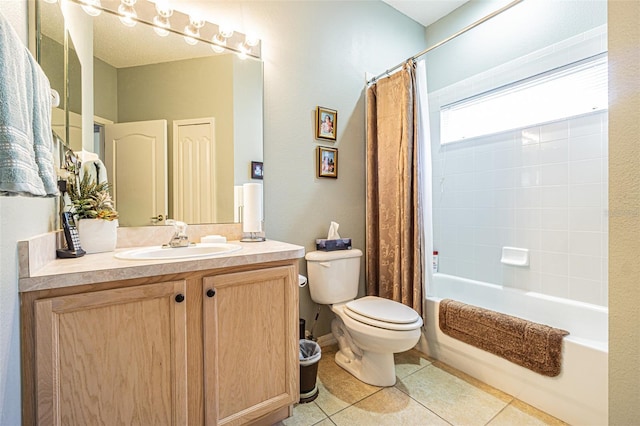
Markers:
point(252, 207)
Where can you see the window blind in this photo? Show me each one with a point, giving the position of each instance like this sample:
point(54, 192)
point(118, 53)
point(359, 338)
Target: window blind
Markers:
point(575, 89)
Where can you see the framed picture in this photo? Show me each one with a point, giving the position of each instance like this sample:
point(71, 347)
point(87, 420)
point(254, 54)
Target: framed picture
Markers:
point(327, 162)
point(326, 123)
point(257, 170)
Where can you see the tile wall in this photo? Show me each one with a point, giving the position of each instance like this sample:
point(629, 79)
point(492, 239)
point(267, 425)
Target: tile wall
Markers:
point(542, 188)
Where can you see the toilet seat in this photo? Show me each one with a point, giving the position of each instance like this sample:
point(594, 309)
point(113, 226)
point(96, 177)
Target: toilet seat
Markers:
point(383, 313)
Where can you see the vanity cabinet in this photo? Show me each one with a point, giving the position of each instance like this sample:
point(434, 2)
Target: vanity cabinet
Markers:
point(251, 359)
point(210, 347)
point(117, 355)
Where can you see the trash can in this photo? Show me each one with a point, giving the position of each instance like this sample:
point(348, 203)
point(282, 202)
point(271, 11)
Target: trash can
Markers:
point(310, 354)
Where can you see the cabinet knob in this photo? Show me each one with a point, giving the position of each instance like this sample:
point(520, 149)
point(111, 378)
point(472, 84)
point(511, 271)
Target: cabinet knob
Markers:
point(211, 292)
point(179, 297)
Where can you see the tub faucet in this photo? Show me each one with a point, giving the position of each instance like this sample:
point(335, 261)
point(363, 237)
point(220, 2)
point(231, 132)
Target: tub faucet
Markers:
point(179, 238)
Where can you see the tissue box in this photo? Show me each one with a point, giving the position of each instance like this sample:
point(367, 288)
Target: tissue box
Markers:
point(330, 245)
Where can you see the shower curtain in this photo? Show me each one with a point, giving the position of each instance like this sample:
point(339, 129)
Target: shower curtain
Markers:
point(399, 187)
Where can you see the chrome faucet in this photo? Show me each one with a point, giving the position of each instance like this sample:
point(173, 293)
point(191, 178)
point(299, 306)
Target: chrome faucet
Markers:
point(179, 238)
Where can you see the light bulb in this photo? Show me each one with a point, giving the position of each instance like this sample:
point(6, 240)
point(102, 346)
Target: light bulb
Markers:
point(91, 7)
point(196, 21)
point(128, 15)
point(190, 32)
point(218, 42)
point(160, 25)
point(243, 50)
point(217, 49)
point(225, 31)
point(163, 9)
point(251, 40)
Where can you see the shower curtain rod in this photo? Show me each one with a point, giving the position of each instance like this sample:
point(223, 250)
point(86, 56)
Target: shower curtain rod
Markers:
point(446, 40)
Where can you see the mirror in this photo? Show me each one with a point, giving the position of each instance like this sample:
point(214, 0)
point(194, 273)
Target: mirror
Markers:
point(59, 60)
point(139, 77)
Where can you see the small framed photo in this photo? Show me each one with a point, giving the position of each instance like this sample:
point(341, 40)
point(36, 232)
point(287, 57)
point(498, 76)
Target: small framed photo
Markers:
point(257, 170)
point(326, 123)
point(327, 162)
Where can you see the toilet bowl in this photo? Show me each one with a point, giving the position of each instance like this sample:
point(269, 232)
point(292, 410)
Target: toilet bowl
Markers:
point(369, 330)
point(366, 350)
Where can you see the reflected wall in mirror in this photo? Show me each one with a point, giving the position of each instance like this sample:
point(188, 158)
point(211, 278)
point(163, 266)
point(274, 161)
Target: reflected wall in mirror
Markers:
point(140, 77)
point(59, 60)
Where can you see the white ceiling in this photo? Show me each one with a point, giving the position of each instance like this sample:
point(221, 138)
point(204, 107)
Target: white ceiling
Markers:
point(425, 12)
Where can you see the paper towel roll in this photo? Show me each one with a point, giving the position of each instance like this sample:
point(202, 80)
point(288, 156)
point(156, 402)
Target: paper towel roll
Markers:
point(237, 203)
point(252, 207)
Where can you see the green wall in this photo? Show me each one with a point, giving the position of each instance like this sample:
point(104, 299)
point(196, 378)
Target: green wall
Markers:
point(52, 62)
point(193, 88)
point(105, 90)
point(247, 112)
point(528, 26)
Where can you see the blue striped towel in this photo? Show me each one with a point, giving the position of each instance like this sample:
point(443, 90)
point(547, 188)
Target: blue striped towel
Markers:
point(26, 145)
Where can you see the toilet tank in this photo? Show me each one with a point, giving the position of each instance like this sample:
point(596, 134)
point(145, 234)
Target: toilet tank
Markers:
point(333, 275)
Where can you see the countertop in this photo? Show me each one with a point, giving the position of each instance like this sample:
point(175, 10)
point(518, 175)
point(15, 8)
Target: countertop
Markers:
point(101, 267)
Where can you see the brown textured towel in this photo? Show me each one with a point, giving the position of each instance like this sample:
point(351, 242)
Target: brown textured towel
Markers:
point(534, 346)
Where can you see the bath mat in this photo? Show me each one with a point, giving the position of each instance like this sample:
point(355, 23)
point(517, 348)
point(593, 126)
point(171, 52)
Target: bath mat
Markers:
point(531, 345)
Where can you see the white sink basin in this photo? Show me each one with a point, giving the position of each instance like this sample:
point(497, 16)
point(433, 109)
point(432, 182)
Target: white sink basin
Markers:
point(194, 251)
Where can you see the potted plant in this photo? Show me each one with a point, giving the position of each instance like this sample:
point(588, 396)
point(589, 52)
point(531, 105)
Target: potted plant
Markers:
point(96, 217)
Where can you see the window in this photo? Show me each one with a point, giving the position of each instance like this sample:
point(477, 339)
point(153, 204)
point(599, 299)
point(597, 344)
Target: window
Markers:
point(572, 90)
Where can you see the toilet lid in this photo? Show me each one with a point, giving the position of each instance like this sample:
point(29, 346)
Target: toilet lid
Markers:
point(383, 313)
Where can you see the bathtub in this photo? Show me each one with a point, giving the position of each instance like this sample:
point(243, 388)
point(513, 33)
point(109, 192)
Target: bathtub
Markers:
point(579, 395)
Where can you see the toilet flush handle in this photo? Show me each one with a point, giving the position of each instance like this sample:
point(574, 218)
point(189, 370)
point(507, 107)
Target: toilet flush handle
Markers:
point(325, 264)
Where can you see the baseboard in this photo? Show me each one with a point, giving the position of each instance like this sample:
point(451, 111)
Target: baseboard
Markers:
point(327, 340)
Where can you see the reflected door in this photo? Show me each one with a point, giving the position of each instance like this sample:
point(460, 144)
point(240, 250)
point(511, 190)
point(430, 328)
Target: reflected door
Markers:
point(136, 161)
point(194, 159)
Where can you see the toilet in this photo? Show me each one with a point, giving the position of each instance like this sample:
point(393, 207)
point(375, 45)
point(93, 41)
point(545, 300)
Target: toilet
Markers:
point(369, 330)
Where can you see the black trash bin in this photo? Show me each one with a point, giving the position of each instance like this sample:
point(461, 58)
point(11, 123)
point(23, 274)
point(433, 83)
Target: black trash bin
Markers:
point(310, 354)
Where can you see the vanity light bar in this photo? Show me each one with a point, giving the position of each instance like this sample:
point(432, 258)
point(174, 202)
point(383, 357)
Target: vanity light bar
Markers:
point(91, 7)
point(127, 14)
point(173, 21)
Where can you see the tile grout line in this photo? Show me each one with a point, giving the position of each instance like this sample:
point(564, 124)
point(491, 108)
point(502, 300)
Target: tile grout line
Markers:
point(377, 391)
point(499, 412)
point(418, 402)
point(510, 402)
point(354, 403)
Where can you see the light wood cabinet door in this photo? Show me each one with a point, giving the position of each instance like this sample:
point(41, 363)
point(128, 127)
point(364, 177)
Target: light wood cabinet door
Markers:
point(250, 344)
point(113, 357)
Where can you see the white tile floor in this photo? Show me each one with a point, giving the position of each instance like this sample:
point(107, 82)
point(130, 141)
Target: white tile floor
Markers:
point(426, 393)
